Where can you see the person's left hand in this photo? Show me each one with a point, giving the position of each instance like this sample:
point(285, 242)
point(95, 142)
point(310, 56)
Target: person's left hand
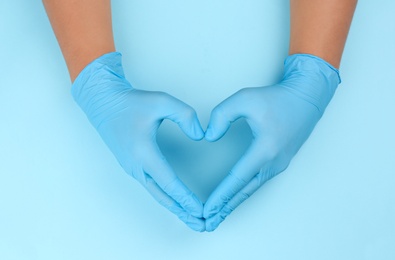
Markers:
point(281, 118)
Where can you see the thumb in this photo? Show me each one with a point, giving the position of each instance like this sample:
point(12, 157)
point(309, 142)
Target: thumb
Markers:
point(222, 116)
point(185, 117)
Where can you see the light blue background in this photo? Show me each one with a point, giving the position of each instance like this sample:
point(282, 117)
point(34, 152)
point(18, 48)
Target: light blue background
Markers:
point(63, 195)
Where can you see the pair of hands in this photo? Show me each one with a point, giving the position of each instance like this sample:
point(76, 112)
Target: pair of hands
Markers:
point(281, 118)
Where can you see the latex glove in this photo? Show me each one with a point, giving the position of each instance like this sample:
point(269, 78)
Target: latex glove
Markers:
point(127, 119)
point(281, 118)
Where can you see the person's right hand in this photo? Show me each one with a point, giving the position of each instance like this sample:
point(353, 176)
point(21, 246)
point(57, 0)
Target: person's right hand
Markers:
point(127, 119)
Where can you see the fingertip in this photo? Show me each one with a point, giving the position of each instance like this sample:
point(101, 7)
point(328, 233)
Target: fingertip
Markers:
point(213, 133)
point(196, 210)
point(213, 223)
point(209, 229)
point(209, 135)
point(220, 120)
point(198, 133)
point(191, 127)
point(196, 224)
point(217, 127)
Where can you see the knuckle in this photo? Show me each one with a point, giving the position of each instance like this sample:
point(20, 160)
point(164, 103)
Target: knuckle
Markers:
point(224, 198)
point(267, 173)
point(244, 195)
point(227, 210)
point(261, 178)
point(236, 178)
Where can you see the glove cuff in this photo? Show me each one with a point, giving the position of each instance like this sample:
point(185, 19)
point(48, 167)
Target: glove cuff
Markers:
point(311, 78)
point(98, 87)
point(111, 61)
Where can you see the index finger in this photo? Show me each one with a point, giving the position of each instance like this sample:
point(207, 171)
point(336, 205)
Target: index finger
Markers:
point(165, 200)
point(249, 165)
point(161, 172)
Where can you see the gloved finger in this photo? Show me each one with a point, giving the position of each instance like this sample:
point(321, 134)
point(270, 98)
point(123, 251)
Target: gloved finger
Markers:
point(213, 222)
point(255, 158)
point(165, 200)
point(159, 170)
point(184, 116)
point(223, 115)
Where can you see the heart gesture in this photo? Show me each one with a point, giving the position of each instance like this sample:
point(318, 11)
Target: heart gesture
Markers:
point(281, 118)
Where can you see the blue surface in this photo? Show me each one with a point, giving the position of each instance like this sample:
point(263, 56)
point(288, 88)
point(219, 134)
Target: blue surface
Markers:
point(63, 195)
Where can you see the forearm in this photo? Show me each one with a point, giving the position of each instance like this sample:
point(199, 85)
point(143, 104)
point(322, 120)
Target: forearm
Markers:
point(320, 27)
point(83, 29)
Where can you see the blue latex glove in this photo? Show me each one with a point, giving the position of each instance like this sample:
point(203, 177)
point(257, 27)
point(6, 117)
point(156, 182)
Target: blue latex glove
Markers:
point(127, 119)
point(281, 118)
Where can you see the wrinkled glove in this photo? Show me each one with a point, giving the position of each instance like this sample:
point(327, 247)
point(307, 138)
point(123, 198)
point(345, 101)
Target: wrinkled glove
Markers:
point(281, 118)
point(127, 119)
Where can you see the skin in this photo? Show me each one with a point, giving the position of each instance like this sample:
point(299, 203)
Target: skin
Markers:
point(83, 29)
point(320, 27)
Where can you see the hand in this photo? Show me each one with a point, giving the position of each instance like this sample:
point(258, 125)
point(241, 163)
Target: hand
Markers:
point(127, 119)
point(281, 118)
